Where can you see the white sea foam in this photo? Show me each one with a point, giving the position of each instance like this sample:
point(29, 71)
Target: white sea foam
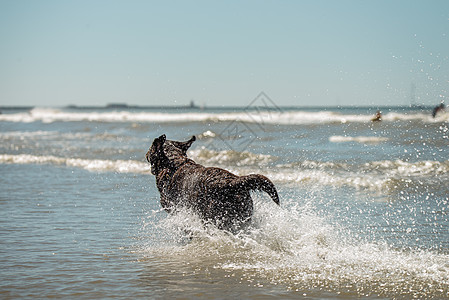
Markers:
point(59, 136)
point(298, 117)
point(230, 157)
point(358, 139)
point(99, 165)
point(207, 134)
point(55, 115)
point(407, 169)
point(28, 134)
point(374, 176)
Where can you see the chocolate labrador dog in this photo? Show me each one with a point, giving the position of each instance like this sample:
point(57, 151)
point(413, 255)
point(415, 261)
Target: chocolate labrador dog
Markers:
point(215, 194)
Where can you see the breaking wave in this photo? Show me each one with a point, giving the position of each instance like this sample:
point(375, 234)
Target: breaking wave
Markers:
point(375, 176)
point(99, 165)
point(288, 117)
point(230, 158)
point(358, 139)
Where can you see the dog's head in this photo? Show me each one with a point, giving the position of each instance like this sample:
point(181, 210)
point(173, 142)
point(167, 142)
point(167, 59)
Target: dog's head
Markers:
point(164, 153)
point(156, 156)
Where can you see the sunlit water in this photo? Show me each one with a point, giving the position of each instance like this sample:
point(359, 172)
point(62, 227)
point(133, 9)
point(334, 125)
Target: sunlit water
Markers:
point(364, 206)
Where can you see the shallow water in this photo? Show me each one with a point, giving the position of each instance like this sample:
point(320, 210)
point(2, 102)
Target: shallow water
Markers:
point(364, 207)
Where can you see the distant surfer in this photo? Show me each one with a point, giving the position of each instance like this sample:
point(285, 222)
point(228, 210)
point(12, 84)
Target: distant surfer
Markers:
point(437, 109)
point(377, 117)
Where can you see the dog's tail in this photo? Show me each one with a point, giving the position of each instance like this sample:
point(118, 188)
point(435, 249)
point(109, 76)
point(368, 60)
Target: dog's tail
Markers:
point(260, 182)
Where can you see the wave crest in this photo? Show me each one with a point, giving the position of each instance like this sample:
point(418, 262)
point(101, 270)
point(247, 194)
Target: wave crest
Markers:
point(230, 157)
point(358, 139)
point(119, 166)
point(375, 176)
point(288, 117)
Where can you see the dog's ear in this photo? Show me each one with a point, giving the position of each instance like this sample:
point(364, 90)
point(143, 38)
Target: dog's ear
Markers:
point(190, 142)
point(161, 139)
point(159, 142)
point(186, 145)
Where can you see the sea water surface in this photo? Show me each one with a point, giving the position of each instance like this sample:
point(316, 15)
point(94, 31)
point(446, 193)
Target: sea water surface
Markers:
point(364, 205)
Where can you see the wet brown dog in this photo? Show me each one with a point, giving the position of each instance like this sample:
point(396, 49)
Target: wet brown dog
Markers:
point(215, 194)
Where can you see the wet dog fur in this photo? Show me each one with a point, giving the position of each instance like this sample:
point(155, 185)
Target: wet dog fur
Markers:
point(217, 195)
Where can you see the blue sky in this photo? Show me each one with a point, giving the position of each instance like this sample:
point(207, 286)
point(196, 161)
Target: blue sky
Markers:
point(55, 53)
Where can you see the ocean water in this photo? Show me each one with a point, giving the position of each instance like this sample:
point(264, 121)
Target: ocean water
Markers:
point(364, 205)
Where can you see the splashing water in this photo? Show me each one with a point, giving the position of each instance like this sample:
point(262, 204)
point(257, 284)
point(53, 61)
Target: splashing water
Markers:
point(294, 247)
